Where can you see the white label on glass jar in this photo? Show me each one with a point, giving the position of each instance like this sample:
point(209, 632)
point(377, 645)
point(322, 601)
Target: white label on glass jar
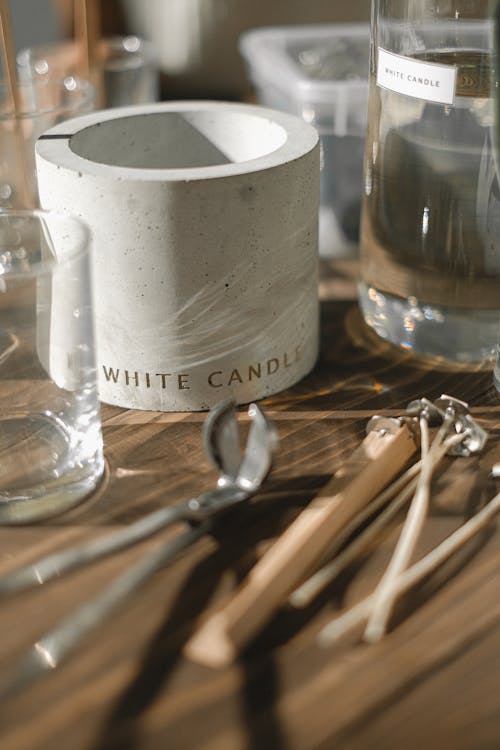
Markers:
point(422, 80)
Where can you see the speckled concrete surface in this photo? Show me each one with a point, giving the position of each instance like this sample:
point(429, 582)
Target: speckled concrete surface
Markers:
point(204, 231)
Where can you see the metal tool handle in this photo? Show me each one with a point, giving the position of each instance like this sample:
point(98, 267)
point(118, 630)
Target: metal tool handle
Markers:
point(49, 651)
point(52, 566)
point(55, 565)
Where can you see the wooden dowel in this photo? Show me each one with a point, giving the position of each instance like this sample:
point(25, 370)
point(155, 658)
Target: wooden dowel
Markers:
point(370, 468)
point(87, 33)
point(308, 591)
point(87, 39)
point(9, 57)
point(14, 101)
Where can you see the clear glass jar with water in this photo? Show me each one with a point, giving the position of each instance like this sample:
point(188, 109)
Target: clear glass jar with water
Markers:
point(430, 240)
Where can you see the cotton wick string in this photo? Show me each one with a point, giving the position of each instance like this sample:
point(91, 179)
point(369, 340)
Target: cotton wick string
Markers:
point(394, 497)
point(397, 495)
point(354, 617)
point(385, 593)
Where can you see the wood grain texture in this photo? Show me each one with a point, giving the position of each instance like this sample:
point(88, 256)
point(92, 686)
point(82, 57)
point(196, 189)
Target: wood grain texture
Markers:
point(433, 682)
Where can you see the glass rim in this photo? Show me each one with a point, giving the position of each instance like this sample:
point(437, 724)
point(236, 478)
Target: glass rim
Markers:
point(80, 244)
point(28, 56)
point(81, 86)
point(123, 41)
point(128, 52)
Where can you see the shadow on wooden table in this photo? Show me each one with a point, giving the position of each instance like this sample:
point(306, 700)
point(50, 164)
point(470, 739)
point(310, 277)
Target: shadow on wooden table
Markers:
point(260, 687)
point(358, 370)
point(122, 728)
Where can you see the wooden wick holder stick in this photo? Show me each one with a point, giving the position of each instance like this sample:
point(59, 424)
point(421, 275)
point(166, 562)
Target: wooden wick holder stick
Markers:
point(369, 469)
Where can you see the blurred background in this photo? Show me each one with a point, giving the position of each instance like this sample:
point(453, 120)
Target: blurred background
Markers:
point(196, 40)
point(307, 57)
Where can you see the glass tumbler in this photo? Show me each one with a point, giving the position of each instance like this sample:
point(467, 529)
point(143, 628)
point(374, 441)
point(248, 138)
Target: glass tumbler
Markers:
point(430, 245)
point(127, 69)
point(50, 429)
point(44, 102)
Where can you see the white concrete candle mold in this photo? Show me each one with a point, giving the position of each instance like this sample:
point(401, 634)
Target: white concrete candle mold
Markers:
point(204, 230)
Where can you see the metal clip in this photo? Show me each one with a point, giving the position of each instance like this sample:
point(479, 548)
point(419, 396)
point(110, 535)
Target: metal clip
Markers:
point(384, 425)
point(423, 408)
point(451, 407)
point(458, 411)
point(474, 437)
point(445, 409)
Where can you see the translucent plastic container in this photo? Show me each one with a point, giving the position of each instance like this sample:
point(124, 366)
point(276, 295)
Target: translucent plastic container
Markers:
point(320, 72)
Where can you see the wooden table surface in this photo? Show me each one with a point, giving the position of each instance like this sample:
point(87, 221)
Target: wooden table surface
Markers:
point(434, 682)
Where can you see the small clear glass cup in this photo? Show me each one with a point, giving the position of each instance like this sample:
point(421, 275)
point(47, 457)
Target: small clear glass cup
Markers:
point(44, 102)
point(127, 70)
point(50, 428)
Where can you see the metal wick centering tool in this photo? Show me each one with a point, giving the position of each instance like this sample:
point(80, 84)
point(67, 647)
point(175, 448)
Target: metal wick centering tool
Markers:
point(241, 476)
